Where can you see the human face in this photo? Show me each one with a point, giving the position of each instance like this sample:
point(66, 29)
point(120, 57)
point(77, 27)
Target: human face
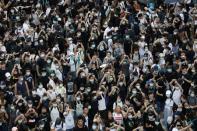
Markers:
point(80, 123)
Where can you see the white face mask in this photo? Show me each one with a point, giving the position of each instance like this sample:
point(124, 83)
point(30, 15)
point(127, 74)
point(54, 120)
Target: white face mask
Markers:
point(42, 55)
point(33, 92)
point(57, 66)
point(94, 127)
point(48, 61)
point(134, 92)
point(137, 86)
point(88, 89)
point(130, 116)
point(40, 86)
point(121, 83)
point(44, 74)
point(58, 100)
point(78, 98)
point(81, 88)
point(101, 48)
point(192, 95)
point(30, 105)
point(28, 73)
point(54, 105)
point(21, 79)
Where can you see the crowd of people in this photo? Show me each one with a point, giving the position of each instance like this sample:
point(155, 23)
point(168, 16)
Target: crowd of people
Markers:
point(98, 65)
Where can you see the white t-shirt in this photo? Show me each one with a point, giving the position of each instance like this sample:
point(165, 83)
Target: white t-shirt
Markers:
point(69, 120)
point(60, 127)
point(40, 91)
point(177, 96)
point(102, 104)
point(54, 114)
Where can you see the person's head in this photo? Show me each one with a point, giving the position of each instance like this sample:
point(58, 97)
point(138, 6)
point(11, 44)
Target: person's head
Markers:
point(118, 109)
point(80, 121)
point(28, 72)
point(21, 78)
point(44, 110)
point(85, 110)
point(168, 93)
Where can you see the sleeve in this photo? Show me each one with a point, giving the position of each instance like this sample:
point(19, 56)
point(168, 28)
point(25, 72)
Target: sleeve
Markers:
point(53, 126)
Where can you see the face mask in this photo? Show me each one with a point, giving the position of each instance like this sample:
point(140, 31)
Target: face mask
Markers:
point(30, 105)
point(95, 97)
point(78, 98)
point(130, 116)
point(44, 74)
point(12, 107)
point(57, 66)
point(45, 98)
point(61, 85)
point(102, 48)
point(169, 70)
point(58, 100)
point(176, 88)
point(92, 81)
point(40, 86)
point(94, 127)
point(88, 89)
point(151, 84)
point(121, 83)
point(192, 84)
point(41, 126)
point(83, 29)
point(111, 79)
point(192, 95)
point(20, 121)
point(93, 46)
point(28, 73)
point(42, 55)
point(21, 79)
point(20, 104)
point(52, 75)
point(3, 86)
point(48, 61)
point(33, 92)
point(137, 86)
point(41, 41)
point(83, 75)
point(54, 105)
point(193, 70)
point(82, 88)
point(134, 92)
point(12, 11)
point(54, 22)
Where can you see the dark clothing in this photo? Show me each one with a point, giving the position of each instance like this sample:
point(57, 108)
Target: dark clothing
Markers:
point(80, 129)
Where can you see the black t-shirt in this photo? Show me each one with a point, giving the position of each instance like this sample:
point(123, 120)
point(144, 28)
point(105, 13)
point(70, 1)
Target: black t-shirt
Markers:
point(91, 52)
point(80, 129)
point(46, 119)
point(2, 74)
point(31, 122)
point(161, 90)
point(41, 63)
point(44, 80)
point(35, 100)
point(129, 124)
